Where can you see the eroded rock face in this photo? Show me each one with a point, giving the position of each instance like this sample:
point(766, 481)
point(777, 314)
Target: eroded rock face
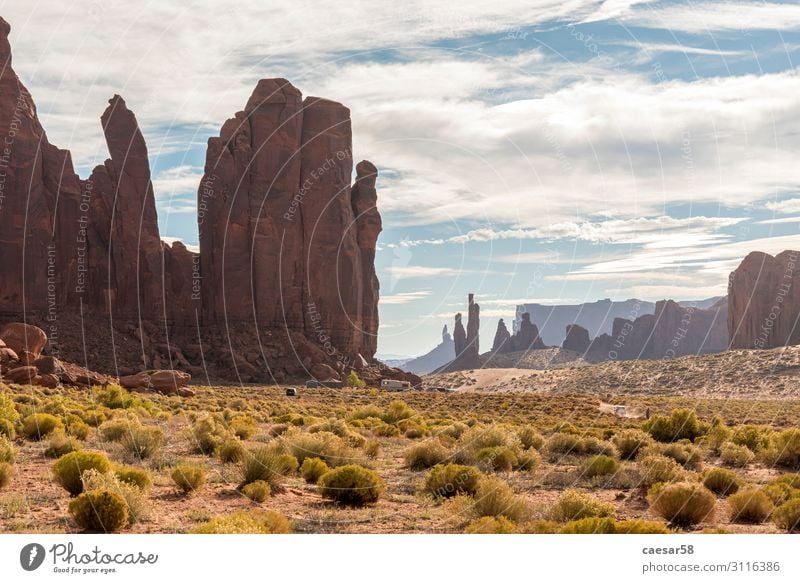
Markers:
point(764, 301)
point(576, 339)
point(459, 335)
point(527, 337)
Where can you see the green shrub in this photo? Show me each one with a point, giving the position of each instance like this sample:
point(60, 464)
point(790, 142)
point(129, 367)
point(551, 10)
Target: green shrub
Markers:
point(491, 525)
point(207, 434)
point(783, 488)
point(385, 430)
point(655, 468)
point(575, 505)
point(561, 444)
point(312, 469)
point(7, 429)
point(737, 456)
point(134, 476)
point(446, 481)
point(680, 424)
point(354, 381)
point(269, 464)
point(243, 426)
point(682, 504)
point(600, 465)
point(257, 491)
point(750, 505)
point(593, 446)
point(630, 442)
point(592, 525)
point(351, 485)
point(59, 444)
point(784, 449)
point(115, 397)
point(68, 468)
point(231, 451)
point(499, 458)
point(143, 442)
point(188, 477)
point(397, 411)
point(528, 461)
point(688, 455)
point(39, 425)
point(717, 435)
point(8, 452)
point(328, 447)
point(637, 526)
point(268, 522)
point(372, 448)
point(116, 429)
point(530, 438)
point(135, 497)
point(753, 437)
point(8, 411)
point(787, 516)
point(77, 428)
point(425, 455)
point(6, 473)
point(722, 482)
point(495, 497)
point(99, 511)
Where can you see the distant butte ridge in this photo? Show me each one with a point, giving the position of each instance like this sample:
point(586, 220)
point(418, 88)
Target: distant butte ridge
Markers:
point(761, 311)
point(284, 285)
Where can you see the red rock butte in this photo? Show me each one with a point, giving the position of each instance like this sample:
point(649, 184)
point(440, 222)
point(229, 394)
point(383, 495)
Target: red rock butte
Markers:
point(284, 285)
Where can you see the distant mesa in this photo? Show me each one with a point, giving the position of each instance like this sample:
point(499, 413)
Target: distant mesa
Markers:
point(439, 356)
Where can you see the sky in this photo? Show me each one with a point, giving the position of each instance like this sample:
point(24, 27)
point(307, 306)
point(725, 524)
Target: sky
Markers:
point(551, 151)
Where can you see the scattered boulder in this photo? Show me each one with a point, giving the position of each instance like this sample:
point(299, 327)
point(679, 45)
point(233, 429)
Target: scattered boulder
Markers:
point(21, 337)
point(167, 382)
point(22, 375)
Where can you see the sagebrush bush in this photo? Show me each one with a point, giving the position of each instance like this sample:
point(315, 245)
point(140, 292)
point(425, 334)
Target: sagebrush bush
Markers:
point(231, 451)
point(754, 437)
point(351, 485)
point(630, 442)
point(561, 444)
point(268, 522)
point(6, 474)
point(787, 516)
point(784, 449)
point(208, 433)
point(592, 525)
point(528, 461)
point(688, 455)
point(312, 469)
point(575, 505)
point(636, 526)
point(600, 465)
point(783, 488)
point(68, 468)
point(134, 476)
point(679, 424)
point(7, 429)
point(655, 468)
point(115, 429)
point(8, 452)
point(397, 411)
point(99, 511)
point(243, 426)
point(529, 438)
point(494, 497)
point(683, 503)
point(135, 497)
point(39, 425)
point(115, 397)
point(446, 481)
point(58, 444)
point(737, 456)
point(594, 446)
point(499, 458)
point(8, 411)
point(330, 448)
point(77, 428)
point(491, 525)
point(257, 491)
point(143, 442)
point(722, 482)
point(425, 455)
point(354, 381)
point(751, 505)
point(269, 464)
point(188, 477)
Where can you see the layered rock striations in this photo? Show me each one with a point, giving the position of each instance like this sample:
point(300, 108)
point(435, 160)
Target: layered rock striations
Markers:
point(284, 284)
point(764, 301)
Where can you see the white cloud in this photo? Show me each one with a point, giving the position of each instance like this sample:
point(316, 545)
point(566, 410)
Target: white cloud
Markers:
point(177, 180)
point(405, 297)
point(791, 205)
point(715, 16)
point(416, 271)
point(781, 221)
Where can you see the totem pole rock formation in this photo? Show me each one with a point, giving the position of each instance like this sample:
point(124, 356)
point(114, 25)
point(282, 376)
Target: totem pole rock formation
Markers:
point(502, 338)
